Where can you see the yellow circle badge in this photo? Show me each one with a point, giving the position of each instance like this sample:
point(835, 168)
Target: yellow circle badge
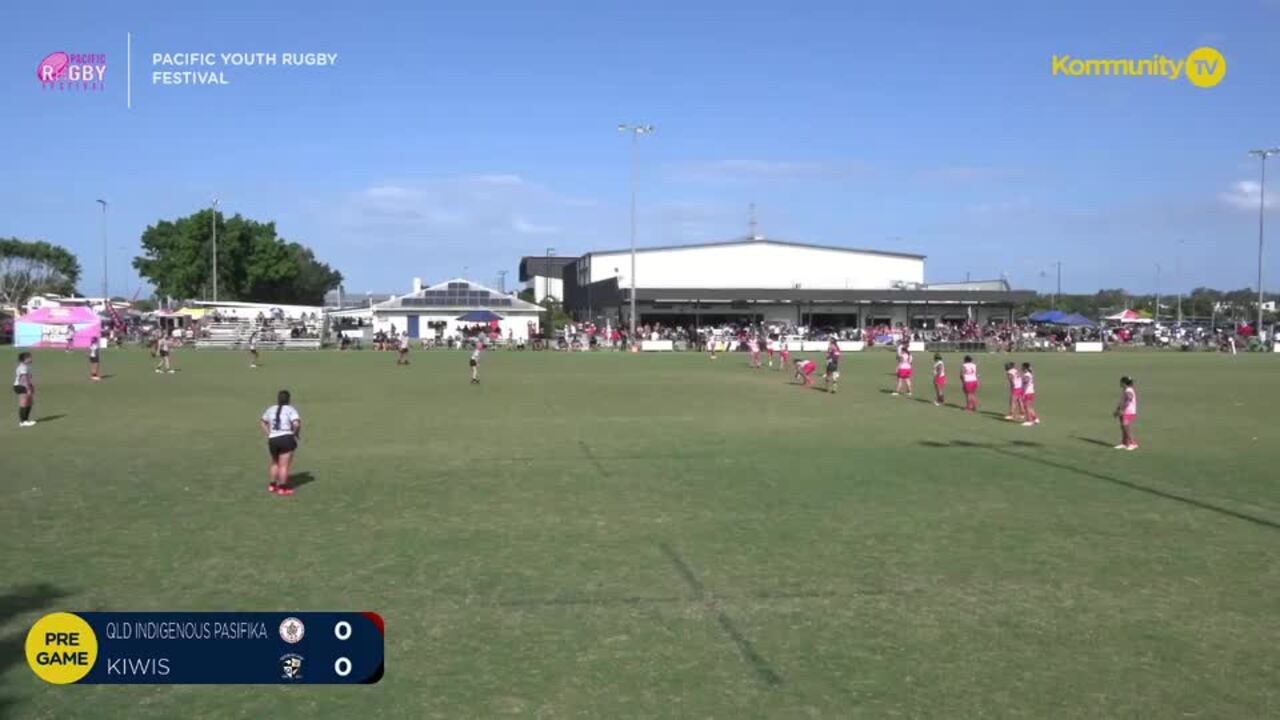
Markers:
point(1206, 67)
point(61, 648)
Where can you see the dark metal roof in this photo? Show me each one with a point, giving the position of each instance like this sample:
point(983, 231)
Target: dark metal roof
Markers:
point(753, 240)
point(855, 296)
point(532, 266)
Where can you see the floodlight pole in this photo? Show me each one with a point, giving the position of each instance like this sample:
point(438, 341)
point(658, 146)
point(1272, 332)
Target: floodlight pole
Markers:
point(106, 298)
point(1157, 320)
point(1262, 155)
point(214, 224)
point(636, 131)
point(1177, 278)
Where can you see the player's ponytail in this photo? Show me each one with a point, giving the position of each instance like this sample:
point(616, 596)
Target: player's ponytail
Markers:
point(282, 399)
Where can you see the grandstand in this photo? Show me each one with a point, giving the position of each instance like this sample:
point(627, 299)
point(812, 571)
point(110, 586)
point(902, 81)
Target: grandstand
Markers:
point(229, 325)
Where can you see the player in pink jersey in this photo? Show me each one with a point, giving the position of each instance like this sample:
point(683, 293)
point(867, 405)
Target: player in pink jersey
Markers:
point(753, 344)
point(805, 370)
point(1127, 414)
point(771, 344)
point(969, 381)
point(1029, 396)
point(904, 370)
point(939, 380)
point(786, 355)
point(1015, 391)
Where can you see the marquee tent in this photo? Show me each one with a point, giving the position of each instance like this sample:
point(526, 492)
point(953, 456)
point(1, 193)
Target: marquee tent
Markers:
point(52, 326)
point(1127, 316)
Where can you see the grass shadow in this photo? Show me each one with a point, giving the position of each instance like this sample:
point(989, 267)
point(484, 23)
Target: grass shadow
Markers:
point(1092, 441)
point(50, 418)
point(1156, 492)
point(297, 480)
point(13, 603)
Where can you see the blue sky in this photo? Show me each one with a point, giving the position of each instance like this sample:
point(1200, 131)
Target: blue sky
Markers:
point(457, 137)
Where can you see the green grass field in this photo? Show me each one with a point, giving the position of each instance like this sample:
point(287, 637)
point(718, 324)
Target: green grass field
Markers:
point(608, 535)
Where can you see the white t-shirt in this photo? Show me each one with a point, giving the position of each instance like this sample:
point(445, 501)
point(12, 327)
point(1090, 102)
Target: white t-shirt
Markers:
point(1029, 383)
point(475, 354)
point(93, 349)
point(969, 372)
point(22, 375)
point(404, 342)
point(288, 416)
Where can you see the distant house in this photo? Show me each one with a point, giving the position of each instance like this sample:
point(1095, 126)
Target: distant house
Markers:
point(435, 311)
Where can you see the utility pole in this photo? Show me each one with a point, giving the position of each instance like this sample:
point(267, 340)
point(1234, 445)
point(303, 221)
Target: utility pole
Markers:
point(214, 225)
point(636, 131)
point(106, 296)
point(1262, 211)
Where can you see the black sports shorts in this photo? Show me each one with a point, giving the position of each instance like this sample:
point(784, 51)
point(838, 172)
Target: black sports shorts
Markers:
point(281, 444)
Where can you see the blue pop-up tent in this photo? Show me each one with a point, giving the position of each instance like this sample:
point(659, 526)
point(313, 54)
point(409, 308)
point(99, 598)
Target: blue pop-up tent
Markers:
point(482, 316)
point(1077, 320)
point(1053, 317)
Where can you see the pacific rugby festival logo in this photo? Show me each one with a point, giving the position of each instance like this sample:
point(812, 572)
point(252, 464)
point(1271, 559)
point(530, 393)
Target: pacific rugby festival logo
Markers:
point(1204, 67)
point(73, 71)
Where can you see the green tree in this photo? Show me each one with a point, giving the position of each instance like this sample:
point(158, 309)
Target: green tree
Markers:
point(31, 268)
point(254, 264)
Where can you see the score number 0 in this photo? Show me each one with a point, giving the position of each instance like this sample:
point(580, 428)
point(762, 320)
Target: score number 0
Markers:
point(342, 631)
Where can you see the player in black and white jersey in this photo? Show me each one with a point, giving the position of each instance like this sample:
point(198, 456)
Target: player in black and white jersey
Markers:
point(95, 359)
point(283, 426)
point(24, 386)
point(253, 349)
point(164, 346)
point(475, 363)
point(402, 350)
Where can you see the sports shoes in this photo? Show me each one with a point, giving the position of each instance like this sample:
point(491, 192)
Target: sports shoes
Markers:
point(894, 393)
point(1130, 447)
point(1121, 447)
point(172, 371)
point(273, 488)
point(1028, 424)
point(284, 490)
point(26, 423)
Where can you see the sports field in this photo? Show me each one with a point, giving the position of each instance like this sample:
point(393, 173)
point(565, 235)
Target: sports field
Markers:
point(609, 535)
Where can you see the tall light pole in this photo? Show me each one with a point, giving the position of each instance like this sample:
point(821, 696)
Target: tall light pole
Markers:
point(1262, 155)
point(1177, 278)
point(1157, 321)
point(214, 225)
point(550, 330)
point(636, 131)
point(106, 298)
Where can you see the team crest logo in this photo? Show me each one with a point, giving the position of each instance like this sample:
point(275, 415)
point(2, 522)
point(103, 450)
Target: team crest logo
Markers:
point(291, 667)
point(292, 630)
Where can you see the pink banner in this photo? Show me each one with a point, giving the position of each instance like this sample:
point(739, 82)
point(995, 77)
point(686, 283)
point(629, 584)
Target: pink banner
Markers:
point(51, 327)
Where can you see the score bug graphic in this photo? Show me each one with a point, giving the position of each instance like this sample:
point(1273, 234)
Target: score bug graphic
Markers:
point(172, 648)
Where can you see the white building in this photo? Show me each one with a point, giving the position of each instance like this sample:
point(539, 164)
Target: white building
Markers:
point(754, 263)
point(97, 304)
point(434, 312)
point(544, 275)
point(757, 279)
